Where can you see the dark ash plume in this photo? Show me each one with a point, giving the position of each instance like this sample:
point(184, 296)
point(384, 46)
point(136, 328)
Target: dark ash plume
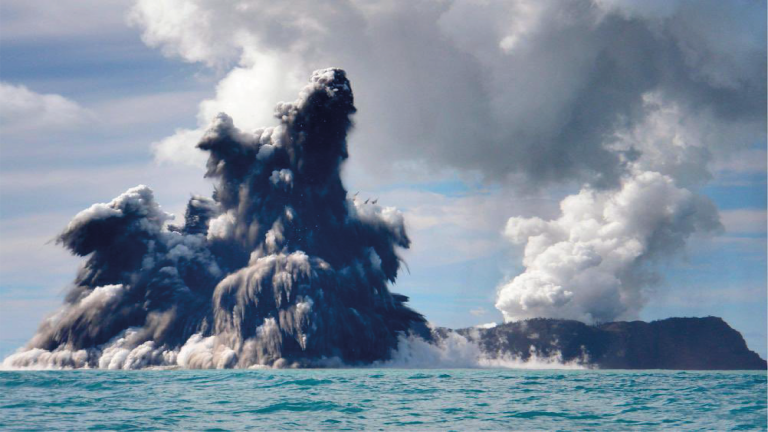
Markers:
point(280, 268)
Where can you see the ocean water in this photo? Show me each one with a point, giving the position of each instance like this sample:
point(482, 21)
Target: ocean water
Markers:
point(409, 399)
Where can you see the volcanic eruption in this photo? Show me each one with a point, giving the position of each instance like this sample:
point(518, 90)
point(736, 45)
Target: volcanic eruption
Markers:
point(278, 268)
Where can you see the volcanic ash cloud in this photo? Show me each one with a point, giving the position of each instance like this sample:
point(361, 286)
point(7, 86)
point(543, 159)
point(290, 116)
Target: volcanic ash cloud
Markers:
point(278, 268)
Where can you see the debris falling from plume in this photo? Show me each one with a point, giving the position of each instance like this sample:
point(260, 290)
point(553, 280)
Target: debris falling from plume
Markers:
point(279, 268)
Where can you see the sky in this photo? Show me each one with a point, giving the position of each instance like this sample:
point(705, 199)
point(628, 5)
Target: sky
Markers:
point(469, 114)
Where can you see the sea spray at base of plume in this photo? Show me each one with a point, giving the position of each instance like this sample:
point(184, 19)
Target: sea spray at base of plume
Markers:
point(451, 351)
point(455, 351)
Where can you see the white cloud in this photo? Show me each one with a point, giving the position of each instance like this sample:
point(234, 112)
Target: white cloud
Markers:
point(181, 148)
point(23, 20)
point(594, 262)
point(162, 108)
point(451, 228)
point(23, 109)
point(37, 127)
point(744, 221)
point(519, 89)
point(182, 28)
point(748, 161)
point(248, 93)
point(478, 311)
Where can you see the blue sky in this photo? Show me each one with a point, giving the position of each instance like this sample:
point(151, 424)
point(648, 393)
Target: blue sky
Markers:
point(128, 95)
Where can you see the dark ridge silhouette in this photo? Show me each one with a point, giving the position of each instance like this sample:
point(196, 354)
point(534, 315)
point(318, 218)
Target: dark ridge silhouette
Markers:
point(674, 343)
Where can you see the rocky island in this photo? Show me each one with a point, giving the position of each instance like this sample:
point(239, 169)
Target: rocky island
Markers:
point(674, 343)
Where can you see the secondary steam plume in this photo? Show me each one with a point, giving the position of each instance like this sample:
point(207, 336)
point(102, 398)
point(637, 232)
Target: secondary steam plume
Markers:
point(591, 264)
point(596, 261)
point(279, 268)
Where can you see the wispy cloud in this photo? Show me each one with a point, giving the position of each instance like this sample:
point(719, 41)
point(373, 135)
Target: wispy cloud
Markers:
point(41, 19)
point(744, 221)
point(478, 311)
point(748, 161)
point(24, 109)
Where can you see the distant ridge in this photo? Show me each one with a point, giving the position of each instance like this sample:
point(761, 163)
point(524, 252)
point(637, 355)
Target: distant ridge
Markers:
point(674, 343)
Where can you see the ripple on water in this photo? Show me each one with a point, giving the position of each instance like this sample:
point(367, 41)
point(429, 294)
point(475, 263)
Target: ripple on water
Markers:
point(309, 382)
point(366, 399)
point(294, 406)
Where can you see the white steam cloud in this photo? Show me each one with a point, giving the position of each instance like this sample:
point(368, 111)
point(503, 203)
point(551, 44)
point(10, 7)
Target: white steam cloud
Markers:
point(596, 262)
point(525, 90)
point(635, 100)
point(591, 264)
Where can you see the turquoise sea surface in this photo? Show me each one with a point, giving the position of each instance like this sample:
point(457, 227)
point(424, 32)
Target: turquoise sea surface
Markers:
point(465, 399)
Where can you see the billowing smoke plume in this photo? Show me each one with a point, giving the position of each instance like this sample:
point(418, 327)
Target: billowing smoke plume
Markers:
point(280, 267)
point(522, 90)
point(592, 263)
point(596, 262)
point(623, 97)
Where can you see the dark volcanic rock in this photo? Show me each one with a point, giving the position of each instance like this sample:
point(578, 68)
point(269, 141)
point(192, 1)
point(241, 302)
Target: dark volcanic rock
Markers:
point(673, 343)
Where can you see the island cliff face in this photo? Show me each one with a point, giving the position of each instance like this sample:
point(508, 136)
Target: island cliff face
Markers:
point(674, 343)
